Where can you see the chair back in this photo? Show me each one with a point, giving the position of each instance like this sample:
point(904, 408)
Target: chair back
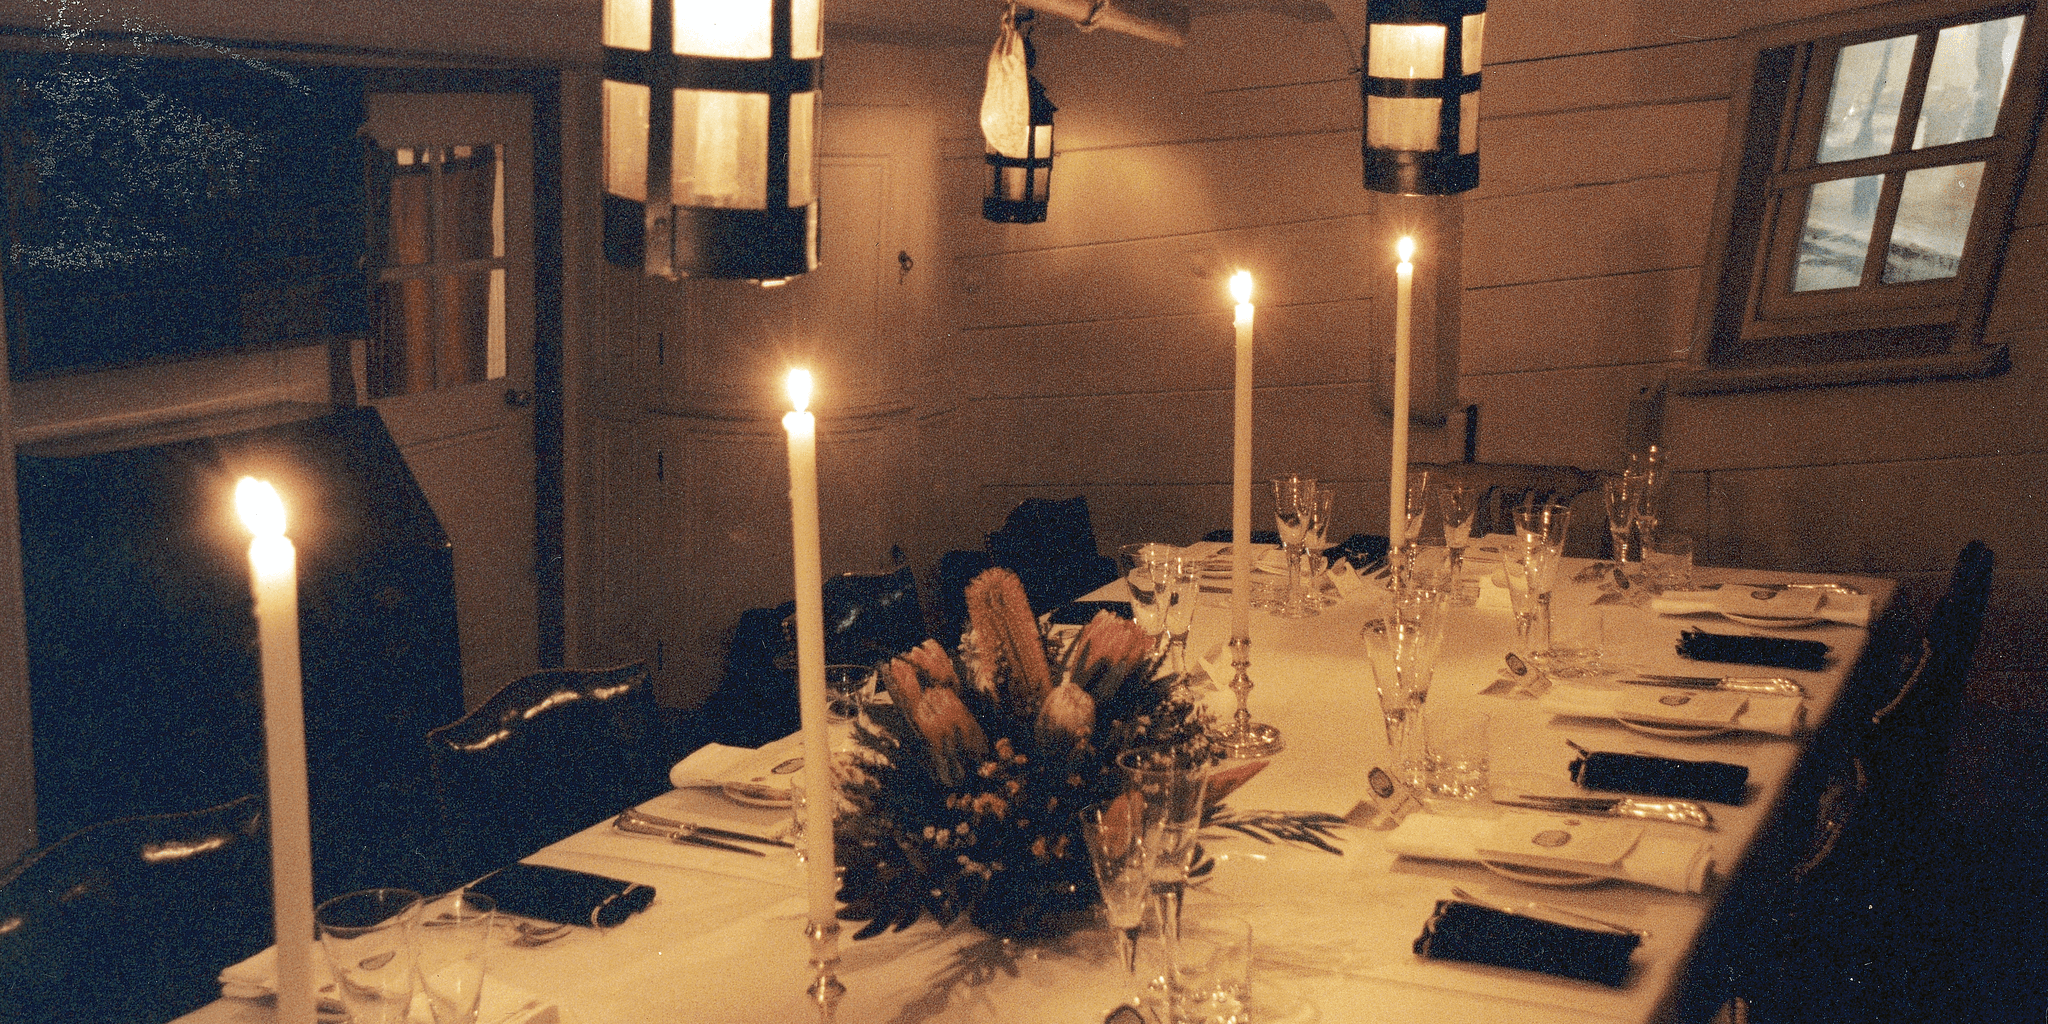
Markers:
point(1505, 487)
point(133, 920)
point(872, 618)
point(544, 757)
point(1051, 547)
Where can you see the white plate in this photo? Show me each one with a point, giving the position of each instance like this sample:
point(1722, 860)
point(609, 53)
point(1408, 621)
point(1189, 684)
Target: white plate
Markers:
point(1542, 876)
point(1670, 731)
point(1766, 622)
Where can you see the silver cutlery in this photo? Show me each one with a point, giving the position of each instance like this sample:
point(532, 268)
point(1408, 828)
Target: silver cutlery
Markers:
point(1740, 684)
point(624, 824)
point(1535, 911)
point(1833, 588)
point(1683, 812)
point(636, 814)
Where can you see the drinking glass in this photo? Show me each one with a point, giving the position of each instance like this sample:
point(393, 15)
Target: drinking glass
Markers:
point(455, 930)
point(1115, 835)
point(1667, 561)
point(1179, 588)
point(371, 946)
point(846, 691)
point(1523, 603)
point(1418, 501)
point(1138, 564)
point(1622, 493)
point(1459, 502)
point(1456, 749)
point(1402, 649)
point(1205, 978)
point(1168, 792)
point(1293, 508)
point(1648, 474)
point(1575, 618)
point(1319, 541)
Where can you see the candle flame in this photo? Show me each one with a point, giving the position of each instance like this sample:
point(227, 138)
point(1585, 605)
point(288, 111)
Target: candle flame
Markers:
point(1406, 248)
point(1241, 286)
point(800, 388)
point(262, 511)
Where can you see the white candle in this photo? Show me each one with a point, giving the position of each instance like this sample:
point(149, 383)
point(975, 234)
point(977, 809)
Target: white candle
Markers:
point(1397, 490)
point(1241, 467)
point(819, 796)
point(275, 582)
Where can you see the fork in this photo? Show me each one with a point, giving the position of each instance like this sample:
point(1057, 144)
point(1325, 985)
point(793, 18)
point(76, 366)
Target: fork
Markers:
point(1546, 908)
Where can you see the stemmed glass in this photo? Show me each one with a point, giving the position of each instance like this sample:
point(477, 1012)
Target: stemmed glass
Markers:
point(1293, 508)
point(1178, 586)
point(1647, 476)
point(1541, 531)
point(1623, 492)
point(1318, 541)
point(1168, 793)
point(1402, 649)
point(1459, 502)
point(1139, 564)
point(1115, 835)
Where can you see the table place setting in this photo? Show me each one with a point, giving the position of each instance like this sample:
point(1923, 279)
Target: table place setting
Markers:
point(1558, 849)
point(1677, 714)
point(1778, 607)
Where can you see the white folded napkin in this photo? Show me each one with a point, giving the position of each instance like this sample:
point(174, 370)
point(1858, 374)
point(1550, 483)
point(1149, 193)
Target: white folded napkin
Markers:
point(764, 772)
point(1493, 596)
point(502, 1002)
point(1758, 712)
point(1786, 603)
point(1646, 858)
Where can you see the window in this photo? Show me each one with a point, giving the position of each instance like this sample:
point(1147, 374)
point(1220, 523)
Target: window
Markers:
point(1861, 222)
point(440, 293)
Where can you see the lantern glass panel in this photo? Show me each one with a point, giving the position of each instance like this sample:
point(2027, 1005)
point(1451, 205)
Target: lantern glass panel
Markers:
point(1468, 123)
point(1410, 124)
point(1474, 36)
point(625, 140)
point(739, 29)
point(807, 38)
point(721, 149)
point(1406, 51)
point(628, 24)
point(803, 159)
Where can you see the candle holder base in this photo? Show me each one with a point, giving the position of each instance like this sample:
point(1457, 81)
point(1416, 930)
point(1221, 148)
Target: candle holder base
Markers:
point(825, 989)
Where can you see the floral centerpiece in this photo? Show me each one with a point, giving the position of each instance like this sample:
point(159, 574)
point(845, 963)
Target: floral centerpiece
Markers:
point(978, 766)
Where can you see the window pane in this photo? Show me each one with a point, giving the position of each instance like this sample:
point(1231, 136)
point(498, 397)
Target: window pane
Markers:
point(1411, 124)
point(1967, 83)
point(1863, 105)
point(625, 139)
point(469, 179)
point(803, 159)
point(723, 28)
point(1837, 233)
point(408, 226)
point(1405, 51)
point(721, 149)
point(1933, 221)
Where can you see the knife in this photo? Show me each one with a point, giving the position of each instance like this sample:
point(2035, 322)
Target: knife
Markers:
point(644, 818)
point(625, 824)
point(1683, 812)
point(1741, 684)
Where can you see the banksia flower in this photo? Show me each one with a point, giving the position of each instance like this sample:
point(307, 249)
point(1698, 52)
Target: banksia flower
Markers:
point(934, 664)
point(1006, 634)
point(1108, 650)
point(1066, 718)
point(952, 733)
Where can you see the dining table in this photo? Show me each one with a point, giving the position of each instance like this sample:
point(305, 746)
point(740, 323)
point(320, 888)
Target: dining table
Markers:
point(1333, 933)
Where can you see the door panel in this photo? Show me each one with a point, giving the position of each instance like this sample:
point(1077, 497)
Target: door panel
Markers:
point(457, 281)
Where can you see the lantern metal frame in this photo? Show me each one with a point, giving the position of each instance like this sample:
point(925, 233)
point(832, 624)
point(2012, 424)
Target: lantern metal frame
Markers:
point(1029, 208)
point(1447, 167)
point(669, 240)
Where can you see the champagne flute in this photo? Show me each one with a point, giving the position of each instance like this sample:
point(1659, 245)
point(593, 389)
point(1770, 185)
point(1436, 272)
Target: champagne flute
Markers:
point(1623, 493)
point(1459, 501)
point(1293, 506)
point(1114, 832)
point(1168, 792)
point(1179, 587)
point(1319, 541)
point(1648, 474)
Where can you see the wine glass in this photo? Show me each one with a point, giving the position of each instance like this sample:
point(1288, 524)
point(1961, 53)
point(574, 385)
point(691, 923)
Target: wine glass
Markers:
point(1459, 501)
point(1402, 649)
point(1648, 475)
point(1293, 507)
point(1168, 792)
point(1317, 542)
point(1139, 564)
point(1115, 834)
point(1623, 494)
point(1179, 586)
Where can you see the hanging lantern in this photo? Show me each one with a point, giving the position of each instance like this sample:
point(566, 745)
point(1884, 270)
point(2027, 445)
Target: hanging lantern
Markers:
point(710, 136)
point(1421, 90)
point(1017, 123)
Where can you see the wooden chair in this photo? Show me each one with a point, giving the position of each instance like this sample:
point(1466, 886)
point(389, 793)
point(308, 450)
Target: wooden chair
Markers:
point(131, 921)
point(1841, 916)
point(1505, 487)
point(547, 755)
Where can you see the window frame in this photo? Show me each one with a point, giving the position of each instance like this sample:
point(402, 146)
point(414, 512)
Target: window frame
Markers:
point(1746, 336)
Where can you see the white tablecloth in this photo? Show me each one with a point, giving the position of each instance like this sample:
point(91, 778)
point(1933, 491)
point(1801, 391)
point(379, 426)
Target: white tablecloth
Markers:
point(723, 940)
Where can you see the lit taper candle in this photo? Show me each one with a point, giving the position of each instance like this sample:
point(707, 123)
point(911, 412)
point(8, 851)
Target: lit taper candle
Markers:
point(820, 796)
point(1397, 489)
point(1241, 466)
point(273, 567)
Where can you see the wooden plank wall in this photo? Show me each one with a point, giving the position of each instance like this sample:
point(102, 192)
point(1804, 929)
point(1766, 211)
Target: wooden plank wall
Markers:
point(1090, 354)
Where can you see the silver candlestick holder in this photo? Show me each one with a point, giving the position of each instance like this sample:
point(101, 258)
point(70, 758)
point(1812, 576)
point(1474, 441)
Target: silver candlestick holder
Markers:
point(1247, 738)
point(825, 988)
